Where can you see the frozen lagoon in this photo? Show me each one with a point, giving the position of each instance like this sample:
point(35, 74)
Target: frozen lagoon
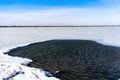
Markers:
point(13, 37)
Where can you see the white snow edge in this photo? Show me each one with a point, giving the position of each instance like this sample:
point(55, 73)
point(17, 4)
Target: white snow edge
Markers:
point(15, 68)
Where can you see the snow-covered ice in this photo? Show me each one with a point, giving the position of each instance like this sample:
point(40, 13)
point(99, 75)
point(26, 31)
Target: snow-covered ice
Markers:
point(10, 37)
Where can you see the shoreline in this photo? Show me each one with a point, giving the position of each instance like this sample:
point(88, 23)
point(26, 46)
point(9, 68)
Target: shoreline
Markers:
point(60, 26)
point(101, 41)
point(15, 66)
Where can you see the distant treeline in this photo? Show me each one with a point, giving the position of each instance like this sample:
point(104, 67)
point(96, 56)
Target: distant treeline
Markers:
point(65, 26)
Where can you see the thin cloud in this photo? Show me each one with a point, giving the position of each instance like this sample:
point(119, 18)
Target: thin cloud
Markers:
point(61, 16)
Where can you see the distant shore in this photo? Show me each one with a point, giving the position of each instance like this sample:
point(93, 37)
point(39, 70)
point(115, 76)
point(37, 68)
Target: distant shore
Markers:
point(65, 26)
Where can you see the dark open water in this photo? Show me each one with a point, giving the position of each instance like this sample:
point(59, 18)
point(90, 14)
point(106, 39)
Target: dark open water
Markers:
point(73, 59)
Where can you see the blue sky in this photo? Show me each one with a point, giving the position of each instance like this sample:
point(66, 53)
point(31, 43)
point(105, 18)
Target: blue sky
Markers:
point(64, 3)
point(59, 12)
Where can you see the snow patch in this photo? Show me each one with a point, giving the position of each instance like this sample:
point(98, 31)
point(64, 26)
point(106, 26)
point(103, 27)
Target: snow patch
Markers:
point(21, 72)
point(15, 68)
point(4, 58)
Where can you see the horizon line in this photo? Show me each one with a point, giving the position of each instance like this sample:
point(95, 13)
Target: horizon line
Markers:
point(101, 25)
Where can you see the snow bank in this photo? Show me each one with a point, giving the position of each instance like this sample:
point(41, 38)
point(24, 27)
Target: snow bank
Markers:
point(14, 68)
point(21, 72)
point(4, 58)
